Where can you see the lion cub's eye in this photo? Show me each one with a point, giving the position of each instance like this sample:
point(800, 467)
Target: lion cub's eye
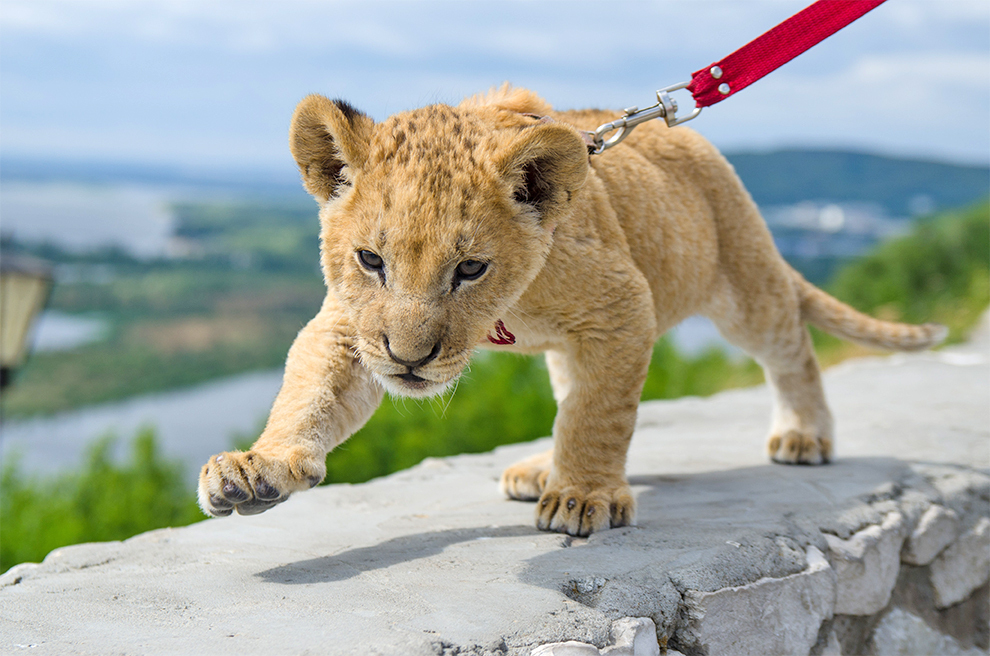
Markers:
point(371, 261)
point(471, 269)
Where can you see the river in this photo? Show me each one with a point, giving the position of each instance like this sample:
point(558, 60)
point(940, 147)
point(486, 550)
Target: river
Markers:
point(195, 422)
point(192, 424)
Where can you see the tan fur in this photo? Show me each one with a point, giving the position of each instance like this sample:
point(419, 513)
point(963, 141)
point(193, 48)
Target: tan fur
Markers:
point(589, 260)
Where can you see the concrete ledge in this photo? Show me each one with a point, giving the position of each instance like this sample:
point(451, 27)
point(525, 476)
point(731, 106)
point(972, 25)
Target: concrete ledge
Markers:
point(885, 549)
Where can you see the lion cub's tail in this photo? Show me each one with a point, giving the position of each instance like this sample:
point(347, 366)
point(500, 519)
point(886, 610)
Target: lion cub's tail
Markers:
point(834, 316)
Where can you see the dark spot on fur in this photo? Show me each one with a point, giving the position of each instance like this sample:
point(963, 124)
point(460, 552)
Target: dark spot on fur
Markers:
point(348, 110)
point(534, 189)
point(330, 169)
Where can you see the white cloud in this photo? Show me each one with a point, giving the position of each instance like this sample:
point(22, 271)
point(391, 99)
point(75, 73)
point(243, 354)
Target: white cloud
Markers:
point(227, 72)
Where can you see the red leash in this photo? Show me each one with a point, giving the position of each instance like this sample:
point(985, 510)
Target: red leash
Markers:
point(773, 49)
point(730, 75)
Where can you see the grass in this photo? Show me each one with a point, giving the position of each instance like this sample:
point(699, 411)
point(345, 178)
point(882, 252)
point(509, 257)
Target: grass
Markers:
point(504, 399)
point(939, 272)
point(170, 327)
point(101, 501)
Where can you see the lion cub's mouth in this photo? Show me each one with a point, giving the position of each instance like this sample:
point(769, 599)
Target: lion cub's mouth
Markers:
point(410, 384)
point(417, 382)
point(411, 380)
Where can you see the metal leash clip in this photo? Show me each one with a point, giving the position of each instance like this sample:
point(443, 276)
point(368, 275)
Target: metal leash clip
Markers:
point(666, 108)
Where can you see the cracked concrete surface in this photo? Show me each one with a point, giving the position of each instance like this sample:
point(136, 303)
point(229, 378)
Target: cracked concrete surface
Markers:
point(433, 561)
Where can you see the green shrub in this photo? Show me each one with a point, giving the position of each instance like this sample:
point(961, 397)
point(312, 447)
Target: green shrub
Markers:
point(939, 272)
point(102, 501)
point(503, 399)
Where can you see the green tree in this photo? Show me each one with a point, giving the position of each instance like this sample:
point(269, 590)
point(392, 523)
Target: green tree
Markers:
point(938, 272)
point(102, 501)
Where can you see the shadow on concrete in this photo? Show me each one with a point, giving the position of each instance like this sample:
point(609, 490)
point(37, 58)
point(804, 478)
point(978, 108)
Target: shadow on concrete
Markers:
point(716, 529)
point(680, 519)
point(407, 548)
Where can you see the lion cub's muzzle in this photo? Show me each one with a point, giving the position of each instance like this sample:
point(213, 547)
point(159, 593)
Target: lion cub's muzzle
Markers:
point(410, 380)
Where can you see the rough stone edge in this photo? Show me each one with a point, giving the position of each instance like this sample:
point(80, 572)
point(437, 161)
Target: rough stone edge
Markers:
point(872, 554)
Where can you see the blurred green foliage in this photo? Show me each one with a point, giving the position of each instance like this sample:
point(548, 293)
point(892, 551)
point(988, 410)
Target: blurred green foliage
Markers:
point(101, 501)
point(939, 272)
point(107, 372)
point(502, 399)
point(251, 281)
point(280, 237)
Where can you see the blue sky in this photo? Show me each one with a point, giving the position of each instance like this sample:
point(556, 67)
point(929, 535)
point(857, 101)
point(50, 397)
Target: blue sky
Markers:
point(212, 84)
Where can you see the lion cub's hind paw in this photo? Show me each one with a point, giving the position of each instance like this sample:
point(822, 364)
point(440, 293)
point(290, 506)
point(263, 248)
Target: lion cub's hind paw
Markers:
point(251, 483)
point(527, 479)
point(575, 511)
point(798, 448)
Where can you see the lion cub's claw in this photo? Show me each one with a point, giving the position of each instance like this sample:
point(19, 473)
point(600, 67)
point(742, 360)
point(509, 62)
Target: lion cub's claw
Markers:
point(576, 511)
point(527, 479)
point(251, 483)
point(798, 448)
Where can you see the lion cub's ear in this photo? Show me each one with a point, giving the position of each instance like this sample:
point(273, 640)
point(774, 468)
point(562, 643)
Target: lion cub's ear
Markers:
point(326, 136)
point(545, 165)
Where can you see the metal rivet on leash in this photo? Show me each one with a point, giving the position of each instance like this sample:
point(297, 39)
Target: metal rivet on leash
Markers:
point(759, 57)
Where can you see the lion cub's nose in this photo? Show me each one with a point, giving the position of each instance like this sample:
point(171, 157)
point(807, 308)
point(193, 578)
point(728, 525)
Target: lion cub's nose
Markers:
point(412, 364)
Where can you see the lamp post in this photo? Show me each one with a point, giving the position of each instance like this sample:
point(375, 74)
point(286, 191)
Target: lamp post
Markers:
point(25, 283)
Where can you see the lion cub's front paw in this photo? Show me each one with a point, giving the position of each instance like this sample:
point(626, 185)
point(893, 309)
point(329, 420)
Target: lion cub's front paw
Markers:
point(582, 509)
point(252, 483)
point(526, 479)
point(799, 448)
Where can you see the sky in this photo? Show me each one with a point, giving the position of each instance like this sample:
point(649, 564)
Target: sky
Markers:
point(212, 84)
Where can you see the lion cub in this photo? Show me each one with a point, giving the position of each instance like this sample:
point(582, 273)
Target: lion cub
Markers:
point(445, 229)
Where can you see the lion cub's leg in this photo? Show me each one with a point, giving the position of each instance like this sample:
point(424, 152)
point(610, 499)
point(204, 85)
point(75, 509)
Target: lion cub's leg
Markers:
point(768, 326)
point(326, 395)
point(801, 428)
point(526, 479)
point(598, 379)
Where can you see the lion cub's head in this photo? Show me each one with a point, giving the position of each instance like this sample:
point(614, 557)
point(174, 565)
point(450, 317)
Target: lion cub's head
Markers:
point(434, 222)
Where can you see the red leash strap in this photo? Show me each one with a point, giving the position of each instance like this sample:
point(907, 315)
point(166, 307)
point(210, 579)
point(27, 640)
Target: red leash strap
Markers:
point(775, 48)
point(731, 75)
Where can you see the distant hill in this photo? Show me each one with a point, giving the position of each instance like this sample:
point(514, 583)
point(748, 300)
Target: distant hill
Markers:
point(231, 180)
point(901, 186)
